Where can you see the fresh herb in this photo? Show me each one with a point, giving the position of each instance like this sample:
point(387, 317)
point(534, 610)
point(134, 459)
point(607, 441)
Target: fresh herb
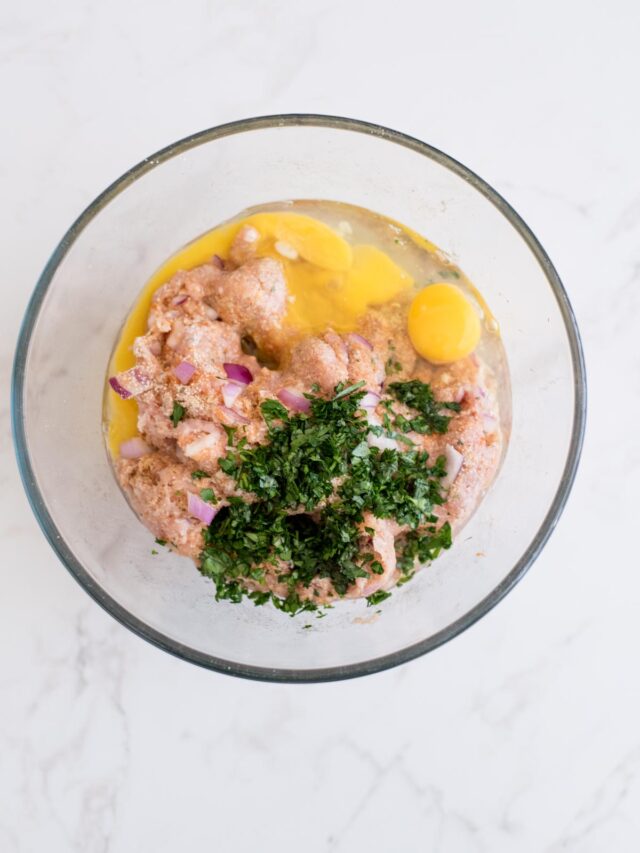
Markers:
point(305, 453)
point(344, 392)
point(161, 541)
point(272, 410)
point(154, 553)
point(312, 483)
point(230, 431)
point(198, 475)
point(178, 413)
point(377, 597)
point(422, 547)
point(208, 495)
point(392, 365)
point(419, 396)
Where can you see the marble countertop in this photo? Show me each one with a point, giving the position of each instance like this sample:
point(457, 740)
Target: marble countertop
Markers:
point(522, 734)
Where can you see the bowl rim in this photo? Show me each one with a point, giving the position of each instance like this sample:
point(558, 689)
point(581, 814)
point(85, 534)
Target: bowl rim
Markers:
point(212, 662)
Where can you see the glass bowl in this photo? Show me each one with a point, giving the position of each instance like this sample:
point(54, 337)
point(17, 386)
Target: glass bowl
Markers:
point(93, 278)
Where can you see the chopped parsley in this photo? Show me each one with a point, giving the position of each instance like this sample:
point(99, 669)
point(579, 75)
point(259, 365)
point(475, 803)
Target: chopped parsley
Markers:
point(423, 547)
point(419, 396)
point(161, 541)
point(178, 413)
point(312, 483)
point(208, 495)
point(198, 475)
point(230, 431)
point(392, 365)
point(377, 597)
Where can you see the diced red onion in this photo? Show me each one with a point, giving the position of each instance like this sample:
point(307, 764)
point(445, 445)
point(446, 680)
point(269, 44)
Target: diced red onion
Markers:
point(238, 373)
point(117, 387)
point(202, 510)
point(178, 300)
point(155, 347)
point(130, 383)
point(356, 338)
point(134, 448)
point(294, 401)
point(233, 416)
point(230, 391)
point(184, 371)
point(370, 400)
point(459, 395)
point(217, 261)
point(453, 463)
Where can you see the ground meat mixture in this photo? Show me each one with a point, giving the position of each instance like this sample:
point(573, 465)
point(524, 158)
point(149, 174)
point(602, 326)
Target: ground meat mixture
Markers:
point(232, 313)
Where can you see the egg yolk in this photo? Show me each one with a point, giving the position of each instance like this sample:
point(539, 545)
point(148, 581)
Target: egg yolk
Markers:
point(442, 324)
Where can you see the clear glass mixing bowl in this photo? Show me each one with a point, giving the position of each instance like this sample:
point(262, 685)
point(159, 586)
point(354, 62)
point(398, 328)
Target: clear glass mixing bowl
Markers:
point(92, 280)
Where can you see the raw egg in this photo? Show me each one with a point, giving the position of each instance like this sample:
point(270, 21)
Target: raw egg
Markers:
point(443, 325)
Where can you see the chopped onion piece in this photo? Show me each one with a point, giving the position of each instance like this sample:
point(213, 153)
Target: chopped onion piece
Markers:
point(130, 383)
point(355, 338)
point(230, 391)
point(134, 448)
point(184, 371)
point(453, 463)
point(370, 400)
point(217, 261)
point(117, 387)
point(238, 373)
point(233, 416)
point(202, 510)
point(294, 401)
point(178, 300)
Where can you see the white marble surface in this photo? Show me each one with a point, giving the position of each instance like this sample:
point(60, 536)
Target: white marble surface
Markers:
point(521, 735)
